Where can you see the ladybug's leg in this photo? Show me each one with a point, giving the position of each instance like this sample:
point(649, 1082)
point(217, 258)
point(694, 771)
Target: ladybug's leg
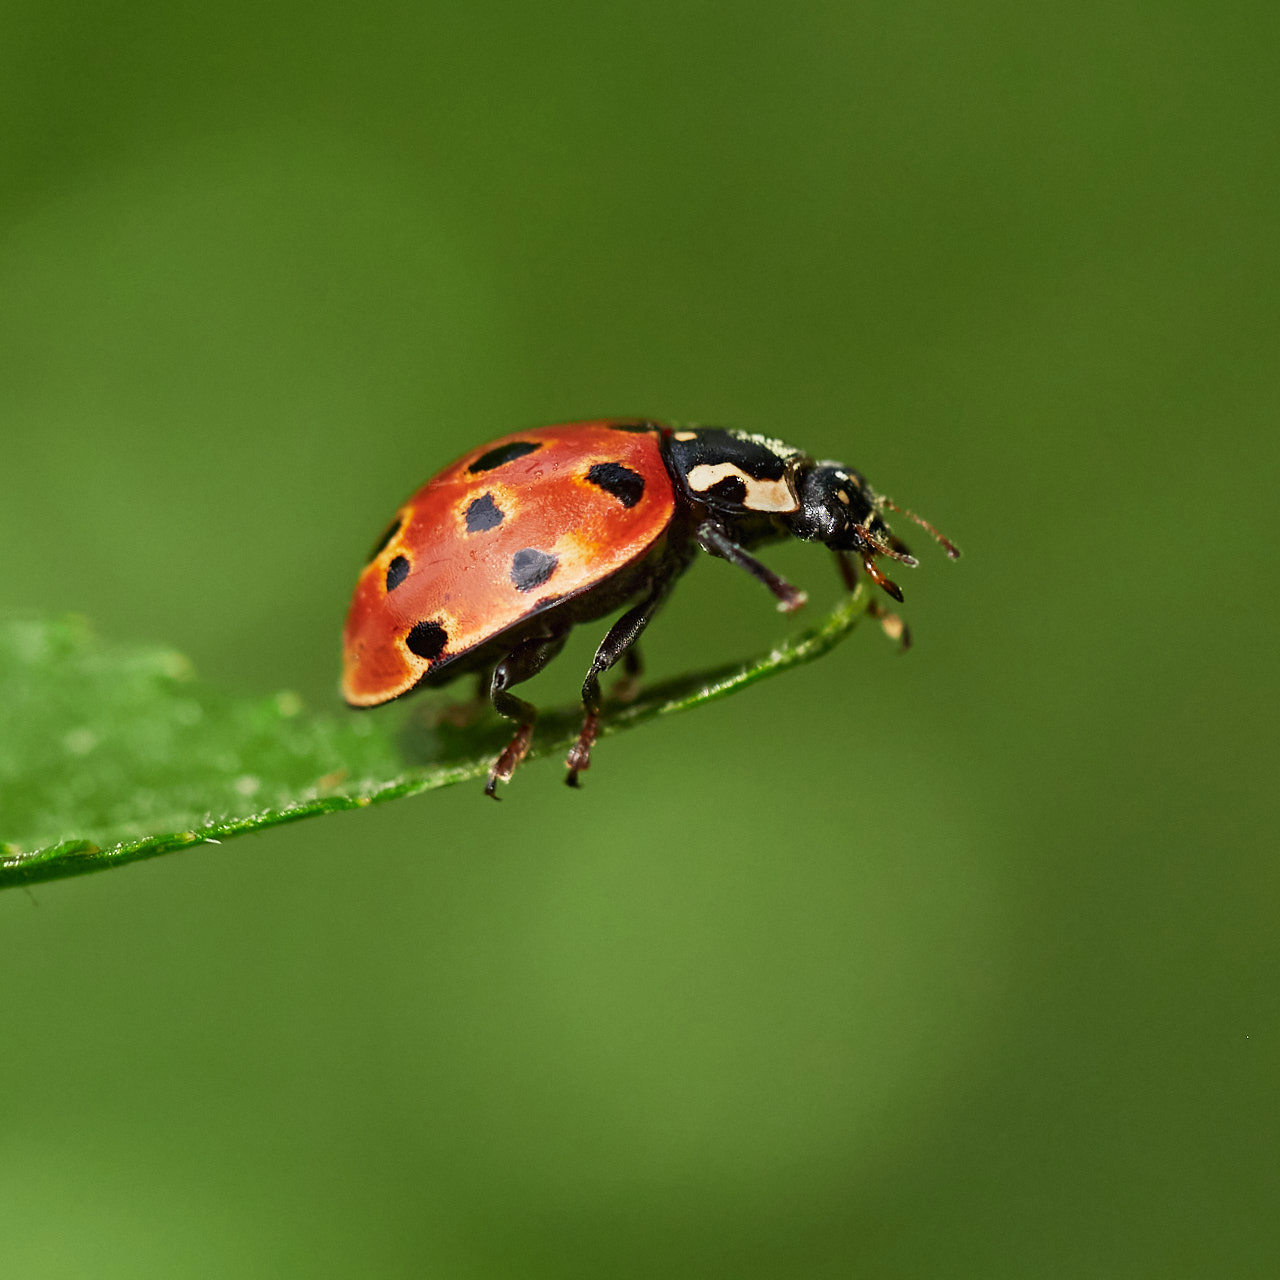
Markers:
point(616, 645)
point(890, 623)
point(714, 540)
point(627, 689)
point(522, 663)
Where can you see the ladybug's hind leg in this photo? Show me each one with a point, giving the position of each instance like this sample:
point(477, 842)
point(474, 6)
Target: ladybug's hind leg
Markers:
point(618, 644)
point(627, 688)
point(522, 663)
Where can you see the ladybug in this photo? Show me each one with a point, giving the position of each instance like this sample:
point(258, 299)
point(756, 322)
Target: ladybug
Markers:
point(489, 566)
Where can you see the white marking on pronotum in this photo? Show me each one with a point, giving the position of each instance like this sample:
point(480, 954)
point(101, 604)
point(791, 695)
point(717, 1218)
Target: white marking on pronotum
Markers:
point(762, 495)
point(774, 446)
point(686, 435)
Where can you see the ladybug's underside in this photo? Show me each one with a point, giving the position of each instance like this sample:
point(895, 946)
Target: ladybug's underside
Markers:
point(491, 564)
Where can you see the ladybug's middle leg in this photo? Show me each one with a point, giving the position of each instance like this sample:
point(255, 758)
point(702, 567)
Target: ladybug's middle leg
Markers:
point(618, 644)
point(522, 663)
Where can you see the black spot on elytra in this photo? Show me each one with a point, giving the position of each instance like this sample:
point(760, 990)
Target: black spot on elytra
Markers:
point(392, 529)
point(483, 514)
point(427, 640)
point(503, 453)
point(625, 485)
point(531, 568)
point(730, 489)
point(397, 572)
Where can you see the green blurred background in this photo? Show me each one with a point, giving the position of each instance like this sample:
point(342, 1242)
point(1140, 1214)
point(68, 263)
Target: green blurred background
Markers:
point(963, 963)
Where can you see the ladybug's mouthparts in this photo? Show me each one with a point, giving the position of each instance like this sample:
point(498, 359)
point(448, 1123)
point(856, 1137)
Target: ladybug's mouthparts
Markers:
point(885, 584)
point(894, 550)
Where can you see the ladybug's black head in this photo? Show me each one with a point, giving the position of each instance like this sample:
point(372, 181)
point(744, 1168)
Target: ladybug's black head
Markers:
point(838, 507)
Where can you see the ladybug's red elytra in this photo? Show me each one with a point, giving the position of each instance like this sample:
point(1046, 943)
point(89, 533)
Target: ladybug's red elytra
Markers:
point(489, 566)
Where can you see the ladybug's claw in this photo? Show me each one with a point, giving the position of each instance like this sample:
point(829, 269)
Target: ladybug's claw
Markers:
point(505, 765)
point(793, 600)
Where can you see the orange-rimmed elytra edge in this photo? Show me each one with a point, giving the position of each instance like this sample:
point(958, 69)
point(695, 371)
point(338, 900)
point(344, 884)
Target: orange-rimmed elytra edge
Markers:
point(489, 566)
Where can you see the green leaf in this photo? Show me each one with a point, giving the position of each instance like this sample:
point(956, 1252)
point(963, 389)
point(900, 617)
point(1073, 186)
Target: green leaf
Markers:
point(111, 753)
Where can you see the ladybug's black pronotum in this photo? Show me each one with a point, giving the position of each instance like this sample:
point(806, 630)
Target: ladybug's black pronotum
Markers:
point(489, 566)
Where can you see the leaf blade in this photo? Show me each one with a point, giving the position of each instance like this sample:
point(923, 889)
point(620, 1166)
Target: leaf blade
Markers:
point(113, 754)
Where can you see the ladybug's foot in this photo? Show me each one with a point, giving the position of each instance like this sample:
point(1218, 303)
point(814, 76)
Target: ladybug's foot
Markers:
point(505, 765)
point(891, 624)
point(579, 757)
point(793, 598)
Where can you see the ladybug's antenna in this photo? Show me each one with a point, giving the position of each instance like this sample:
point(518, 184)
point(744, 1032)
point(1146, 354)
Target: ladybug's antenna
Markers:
point(944, 542)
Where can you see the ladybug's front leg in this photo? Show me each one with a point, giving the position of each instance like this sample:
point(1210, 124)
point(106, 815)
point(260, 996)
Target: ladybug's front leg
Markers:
point(522, 663)
point(714, 540)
